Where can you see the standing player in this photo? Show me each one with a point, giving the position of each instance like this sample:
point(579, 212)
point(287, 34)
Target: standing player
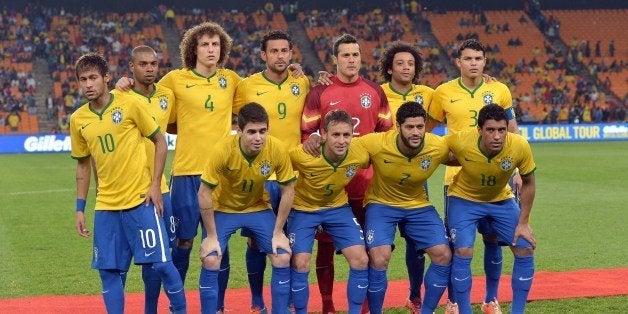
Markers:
point(282, 95)
point(232, 196)
point(457, 104)
point(400, 66)
point(129, 201)
point(159, 101)
point(321, 199)
point(366, 103)
point(480, 190)
point(403, 159)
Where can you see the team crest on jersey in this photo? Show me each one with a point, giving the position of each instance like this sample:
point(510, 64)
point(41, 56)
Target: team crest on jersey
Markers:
point(365, 100)
point(487, 97)
point(426, 162)
point(265, 168)
point(163, 103)
point(296, 91)
point(292, 238)
point(351, 171)
point(116, 115)
point(419, 98)
point(222, 81)
point(506, 163)
point(370, 235)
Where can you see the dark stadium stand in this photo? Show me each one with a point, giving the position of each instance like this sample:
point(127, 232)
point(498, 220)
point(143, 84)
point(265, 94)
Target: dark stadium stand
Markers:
point(549, 58)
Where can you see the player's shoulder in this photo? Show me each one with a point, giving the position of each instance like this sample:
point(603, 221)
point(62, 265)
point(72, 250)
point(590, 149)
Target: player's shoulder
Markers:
point(228, 73)
point(422, 88)
point(372, 84)
point(81, 112)
point(444, 87)
point(161, 90)
point(177, 73)
point(517, 139)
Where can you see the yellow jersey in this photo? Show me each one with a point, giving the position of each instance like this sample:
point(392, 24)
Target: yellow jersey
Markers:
point(159, 105)
point(419, 93)
point(114, 138)
point(485, 178)
point(321, 184)
point(458, 107)
point(203, 115)
point(399, 179)
point(283, 103)
point(239, 180)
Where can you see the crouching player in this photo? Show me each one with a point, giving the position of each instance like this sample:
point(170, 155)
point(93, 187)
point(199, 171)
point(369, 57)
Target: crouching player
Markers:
point(488, 157)
point(232, 196)
point(320, 199)
point(403, 159)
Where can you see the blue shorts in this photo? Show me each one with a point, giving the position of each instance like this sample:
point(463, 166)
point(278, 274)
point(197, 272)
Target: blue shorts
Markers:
point(120, 235)
point(274, 192)
point(423, 226)
point(169, 220)
point(339, 223)
point(484, 225)
point(464, 216)
point(261, 224)
point(184, 197)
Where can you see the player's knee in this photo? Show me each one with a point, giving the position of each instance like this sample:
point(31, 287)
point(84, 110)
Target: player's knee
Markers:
point(280, 260)
point(440, 254)
point(359, 260)
point(522, 251)
point(185, 244)
point(211, 262)
point(465, 252)
point(379, 258)
point(301, 262)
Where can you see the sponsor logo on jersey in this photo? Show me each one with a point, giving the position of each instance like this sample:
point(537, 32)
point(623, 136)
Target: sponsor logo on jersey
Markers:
point(222, 81)
point(163, 103)
point(506, 163)
point(365, 100)
point(488, 97)
point(116, 115)
point(296, 91)
point(426, 162)
point(265, 168)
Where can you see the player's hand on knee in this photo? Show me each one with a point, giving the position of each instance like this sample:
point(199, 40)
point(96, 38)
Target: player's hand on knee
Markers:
point(296, 70)
point(324, 78)
point(312, 145)
point(80, 225)
point(280, 241)
point(154, 196)
point(125, 84)
point(209, 245)
point(523, 230)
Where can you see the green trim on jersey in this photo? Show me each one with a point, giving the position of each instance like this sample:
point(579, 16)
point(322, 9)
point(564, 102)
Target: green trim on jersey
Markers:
point(80, 158)
point(470, 91)
point(400, 93)
point(529, 173)
point(270, 81)
point(329, 161)
point(149, 96)
point(407, 156)
point(246, 157)
point(155, 132)
point(203, 76)
point(489, 158)
point(89, 105)
point(287, 181)
point(211, 185)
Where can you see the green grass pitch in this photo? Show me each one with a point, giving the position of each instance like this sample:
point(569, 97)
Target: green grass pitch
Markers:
point(578, 218)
